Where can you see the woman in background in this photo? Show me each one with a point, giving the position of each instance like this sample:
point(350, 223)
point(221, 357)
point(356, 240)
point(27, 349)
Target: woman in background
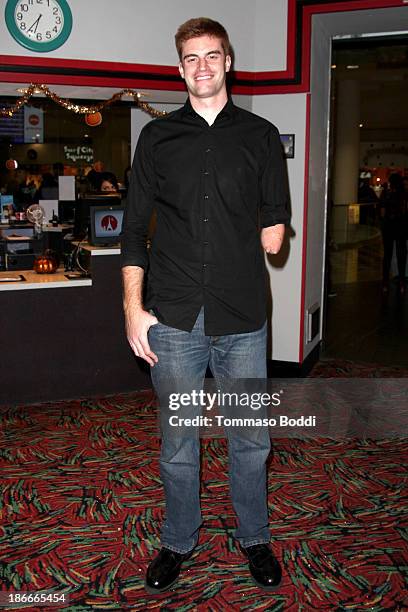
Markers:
point(109, 182)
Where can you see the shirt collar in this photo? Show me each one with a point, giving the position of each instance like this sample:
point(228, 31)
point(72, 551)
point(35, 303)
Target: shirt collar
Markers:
point(227, 111)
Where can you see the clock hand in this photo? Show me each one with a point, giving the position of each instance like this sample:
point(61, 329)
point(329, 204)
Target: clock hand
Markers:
point(35, 24)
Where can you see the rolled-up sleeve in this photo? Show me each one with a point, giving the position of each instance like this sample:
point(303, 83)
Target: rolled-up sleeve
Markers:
point(139, 205)
point(274, 207)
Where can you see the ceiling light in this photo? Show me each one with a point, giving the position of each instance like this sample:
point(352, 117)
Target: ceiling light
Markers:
point(334, 66)
point(361, 125)
point(352, 67)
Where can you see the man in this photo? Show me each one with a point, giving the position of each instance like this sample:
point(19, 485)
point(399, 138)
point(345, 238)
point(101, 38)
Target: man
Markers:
point(214, 173)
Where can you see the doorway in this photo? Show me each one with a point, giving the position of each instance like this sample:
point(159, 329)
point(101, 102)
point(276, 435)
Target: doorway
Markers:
point(358, 329)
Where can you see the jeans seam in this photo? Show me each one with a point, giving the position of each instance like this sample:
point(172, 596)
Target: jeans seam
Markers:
point(254, 542)
point(177, 550)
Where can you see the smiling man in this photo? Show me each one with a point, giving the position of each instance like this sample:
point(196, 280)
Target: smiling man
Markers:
point(215, 175)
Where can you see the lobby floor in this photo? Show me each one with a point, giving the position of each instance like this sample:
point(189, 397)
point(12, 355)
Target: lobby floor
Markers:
point(362, 323)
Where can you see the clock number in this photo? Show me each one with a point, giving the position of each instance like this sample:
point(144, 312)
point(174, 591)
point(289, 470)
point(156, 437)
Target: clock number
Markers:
point(39, 25)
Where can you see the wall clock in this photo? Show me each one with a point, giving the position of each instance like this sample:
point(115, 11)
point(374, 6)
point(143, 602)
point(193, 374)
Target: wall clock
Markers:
point(39, 25)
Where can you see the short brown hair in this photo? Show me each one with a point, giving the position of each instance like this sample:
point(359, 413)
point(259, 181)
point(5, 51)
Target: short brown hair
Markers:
point(201, 26)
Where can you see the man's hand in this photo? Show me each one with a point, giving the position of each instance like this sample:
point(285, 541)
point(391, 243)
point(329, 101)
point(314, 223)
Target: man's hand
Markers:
point(138, 322)
point(272, 238)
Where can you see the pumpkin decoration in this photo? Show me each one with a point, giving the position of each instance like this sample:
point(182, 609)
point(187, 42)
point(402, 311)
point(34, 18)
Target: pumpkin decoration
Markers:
point(45, 264)
point(11, 164)
point(93, 119)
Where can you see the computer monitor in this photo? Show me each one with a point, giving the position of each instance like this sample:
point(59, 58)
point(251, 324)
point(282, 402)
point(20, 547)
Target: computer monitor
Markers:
point(82, 211)
point(106, 224)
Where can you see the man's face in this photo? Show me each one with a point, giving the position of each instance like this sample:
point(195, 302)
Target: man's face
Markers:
point(203, 66)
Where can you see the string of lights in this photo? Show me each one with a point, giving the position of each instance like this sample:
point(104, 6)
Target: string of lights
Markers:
point(79, 109)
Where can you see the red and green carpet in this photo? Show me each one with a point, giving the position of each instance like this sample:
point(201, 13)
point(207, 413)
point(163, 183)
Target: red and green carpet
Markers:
point(81, 506)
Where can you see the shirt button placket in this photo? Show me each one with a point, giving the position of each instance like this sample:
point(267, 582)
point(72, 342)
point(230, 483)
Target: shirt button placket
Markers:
point(205, 216)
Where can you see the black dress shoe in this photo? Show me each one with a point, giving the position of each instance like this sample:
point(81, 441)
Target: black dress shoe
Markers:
point(164, 570)
point(264, 567)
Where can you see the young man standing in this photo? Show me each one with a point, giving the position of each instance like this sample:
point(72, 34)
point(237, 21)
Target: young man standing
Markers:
point(215, 175)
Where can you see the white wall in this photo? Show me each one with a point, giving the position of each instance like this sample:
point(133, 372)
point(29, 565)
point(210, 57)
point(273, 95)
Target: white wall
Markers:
point(142, 32)
point(270, 37)
point(288, 113)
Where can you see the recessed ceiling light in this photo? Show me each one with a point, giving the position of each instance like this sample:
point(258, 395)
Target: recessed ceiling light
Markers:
point(352, 67)
point(361, 125)
point(334, 66)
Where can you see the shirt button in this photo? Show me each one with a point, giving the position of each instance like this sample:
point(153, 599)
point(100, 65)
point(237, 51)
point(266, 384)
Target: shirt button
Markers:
point(208, 150)
point(205, 219)
point(206, 172)
point(204, 265)
point(206, 197)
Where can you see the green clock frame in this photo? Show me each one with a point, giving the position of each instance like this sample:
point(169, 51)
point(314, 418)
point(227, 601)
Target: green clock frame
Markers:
point(33, 45)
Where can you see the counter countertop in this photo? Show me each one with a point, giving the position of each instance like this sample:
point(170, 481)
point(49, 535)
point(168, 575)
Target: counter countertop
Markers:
point(40, 281)
point(98, 250)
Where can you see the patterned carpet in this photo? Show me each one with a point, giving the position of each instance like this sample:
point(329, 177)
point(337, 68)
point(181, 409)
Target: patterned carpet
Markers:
point(81, 506)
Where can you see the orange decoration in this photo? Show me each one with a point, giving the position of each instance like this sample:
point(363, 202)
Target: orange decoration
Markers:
point(11, 164)
point(93, 119)
point(45, 264)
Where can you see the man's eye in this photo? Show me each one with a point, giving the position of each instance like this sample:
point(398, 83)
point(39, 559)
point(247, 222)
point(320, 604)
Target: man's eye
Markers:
point(191, 60)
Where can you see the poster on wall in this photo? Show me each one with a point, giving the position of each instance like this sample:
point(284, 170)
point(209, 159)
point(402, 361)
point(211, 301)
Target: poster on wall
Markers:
point(33, 124)
point(288, 144)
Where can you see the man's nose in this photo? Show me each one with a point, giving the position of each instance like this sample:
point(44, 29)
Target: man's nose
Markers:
point(202, 63)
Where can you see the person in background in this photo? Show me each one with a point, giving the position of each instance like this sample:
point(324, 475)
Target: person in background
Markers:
point(49, 188)
point(109, 182)
point(94, 175)
point(393, 222)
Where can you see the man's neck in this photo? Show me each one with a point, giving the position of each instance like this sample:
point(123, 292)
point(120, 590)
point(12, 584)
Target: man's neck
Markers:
point(209, 108)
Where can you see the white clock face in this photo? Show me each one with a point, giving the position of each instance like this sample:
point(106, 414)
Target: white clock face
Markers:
point(39, 20)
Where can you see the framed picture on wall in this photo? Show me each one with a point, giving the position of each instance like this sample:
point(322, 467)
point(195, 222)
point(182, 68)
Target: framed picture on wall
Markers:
point(288, 144)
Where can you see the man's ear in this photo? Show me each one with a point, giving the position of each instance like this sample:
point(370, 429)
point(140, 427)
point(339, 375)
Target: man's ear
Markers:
point(227, 63)
point(181, 70)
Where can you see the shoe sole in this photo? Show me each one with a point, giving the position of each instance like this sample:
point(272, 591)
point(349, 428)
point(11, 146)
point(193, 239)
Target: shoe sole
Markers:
point(266, 588)
point(153, 591)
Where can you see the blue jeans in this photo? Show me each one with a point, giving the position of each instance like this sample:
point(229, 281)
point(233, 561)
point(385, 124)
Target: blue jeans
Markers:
point(185, 356)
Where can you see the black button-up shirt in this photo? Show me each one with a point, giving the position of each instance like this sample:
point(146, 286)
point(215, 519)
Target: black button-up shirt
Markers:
point(213, 187)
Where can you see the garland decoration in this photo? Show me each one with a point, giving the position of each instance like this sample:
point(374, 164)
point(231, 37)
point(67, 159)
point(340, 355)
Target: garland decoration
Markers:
point(78, 108)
